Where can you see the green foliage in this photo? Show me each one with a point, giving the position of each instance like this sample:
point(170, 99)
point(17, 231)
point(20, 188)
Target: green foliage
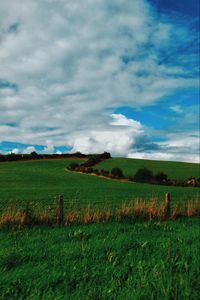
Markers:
point(102, 261)
point(117, 173)
point(143, 175)
point(40, 181)
point(161, 177)
point(99, 261)
point(34, 155)
point(174, 170)
point(93, 160)
point(73, 166)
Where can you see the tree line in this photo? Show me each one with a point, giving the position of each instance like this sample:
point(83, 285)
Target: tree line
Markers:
point(34, 155)
point(142, 175)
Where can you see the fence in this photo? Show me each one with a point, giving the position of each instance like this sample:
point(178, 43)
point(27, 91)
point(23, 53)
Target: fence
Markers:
point(67, 214)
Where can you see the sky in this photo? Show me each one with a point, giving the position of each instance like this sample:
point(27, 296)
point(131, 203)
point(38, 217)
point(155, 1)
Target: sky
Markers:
point(94, 76)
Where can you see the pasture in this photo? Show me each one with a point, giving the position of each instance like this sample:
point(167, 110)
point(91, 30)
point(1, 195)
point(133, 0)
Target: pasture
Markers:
point(118, 259)
point(174, 170)
point(147, 260)
point(41, 181)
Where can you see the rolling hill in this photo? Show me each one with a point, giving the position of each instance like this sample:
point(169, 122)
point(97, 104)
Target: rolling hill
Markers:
point(174, 170)
point(41, 181)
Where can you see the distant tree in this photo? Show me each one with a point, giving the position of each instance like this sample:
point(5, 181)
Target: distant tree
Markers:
point(89, 170)
point(93, 160)
point(117, 173)
point(34, 154)
point(12, 156)
point(2, 157)
point(143, 175)
point(161, 177)
point(105, 155)
point(73, 166)
point(78, 154)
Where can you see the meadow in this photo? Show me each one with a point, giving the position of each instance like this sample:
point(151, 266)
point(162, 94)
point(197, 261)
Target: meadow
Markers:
point(119, 257)
point(143, 260)
point(42, 181)
point(174, 170)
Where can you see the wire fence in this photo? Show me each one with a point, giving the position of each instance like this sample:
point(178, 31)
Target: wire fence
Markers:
point(49, 202)
point(62, 213)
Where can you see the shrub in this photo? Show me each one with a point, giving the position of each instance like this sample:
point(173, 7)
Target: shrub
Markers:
point(117, 173)
point(2, 157)
point(105, 155)
point(12, 157)
point(143, 175)
point(73, 166)
point(104, 173)
point(89, 170)
point(34, 155)
point(78, 154)
point(161, 177)
point(93, 160)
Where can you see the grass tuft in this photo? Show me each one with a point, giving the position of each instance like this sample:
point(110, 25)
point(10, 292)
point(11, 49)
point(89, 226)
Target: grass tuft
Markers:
point(133, 211)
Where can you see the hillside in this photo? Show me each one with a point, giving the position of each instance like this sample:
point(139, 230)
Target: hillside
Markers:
point(41, 181)
point(117, 259)
point(174, 170)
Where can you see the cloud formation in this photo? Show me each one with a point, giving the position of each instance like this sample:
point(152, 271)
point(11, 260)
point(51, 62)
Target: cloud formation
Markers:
point(66, 65)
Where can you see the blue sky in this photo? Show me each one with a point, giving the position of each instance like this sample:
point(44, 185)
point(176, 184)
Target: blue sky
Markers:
point(115, 76)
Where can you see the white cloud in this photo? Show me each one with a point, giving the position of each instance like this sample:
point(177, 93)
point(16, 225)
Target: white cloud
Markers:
point(164, 155)
point(15, 151)
point(121, 120)
point(67, 59)
point(179, 147)
point(176, 108)
point(58, 152)
point(29, 149)
point(118, 140)
point(49, 148)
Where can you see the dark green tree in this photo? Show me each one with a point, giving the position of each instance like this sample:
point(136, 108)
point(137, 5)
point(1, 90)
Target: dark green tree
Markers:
point(143, 175)
point(117, 173)
point(73, 166)
point(161, 177)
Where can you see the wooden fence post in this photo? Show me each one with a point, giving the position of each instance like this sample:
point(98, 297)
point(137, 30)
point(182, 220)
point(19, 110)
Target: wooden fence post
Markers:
point(60, 210)
point(167, 205)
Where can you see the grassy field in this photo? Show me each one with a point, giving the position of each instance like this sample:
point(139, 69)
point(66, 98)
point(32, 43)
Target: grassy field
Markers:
point(121, 259)
point(41, 181)
point(174, 170)
point(102, 261)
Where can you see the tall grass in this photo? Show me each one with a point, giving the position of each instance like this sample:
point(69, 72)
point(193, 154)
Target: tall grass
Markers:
point(132, 211)
point(147, 260)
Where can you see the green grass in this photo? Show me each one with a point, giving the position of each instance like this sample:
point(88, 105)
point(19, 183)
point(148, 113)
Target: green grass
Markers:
point(102, 261)
point(99, 261)
point(41, 181)
point(174, 170)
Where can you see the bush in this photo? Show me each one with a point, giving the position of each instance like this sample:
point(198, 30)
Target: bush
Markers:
point(93, 160)
point(143, 175)
point(117, 173)
point(34, 155)
point(105, 155)
point(73, 166)
point(89, 170)
point(2, 157)
point(78, 154)
point(161, 177)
